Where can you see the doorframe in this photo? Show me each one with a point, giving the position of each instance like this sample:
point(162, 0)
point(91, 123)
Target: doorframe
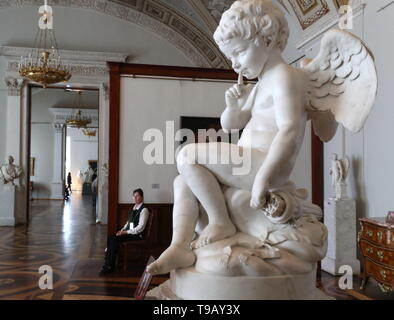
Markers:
point(27, 125)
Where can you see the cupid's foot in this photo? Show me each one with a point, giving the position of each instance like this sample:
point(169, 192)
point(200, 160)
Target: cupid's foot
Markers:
point(173, 257)
point(212, 233)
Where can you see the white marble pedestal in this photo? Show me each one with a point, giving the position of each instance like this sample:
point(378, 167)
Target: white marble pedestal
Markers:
point(189, 284)
point(340, 220)
point(7, 206)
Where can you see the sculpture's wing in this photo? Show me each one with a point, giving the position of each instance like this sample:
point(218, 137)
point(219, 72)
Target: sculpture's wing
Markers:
point(342, 84)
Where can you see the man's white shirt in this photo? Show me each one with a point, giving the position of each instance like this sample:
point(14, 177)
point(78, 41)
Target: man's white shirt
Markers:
point(144, 215)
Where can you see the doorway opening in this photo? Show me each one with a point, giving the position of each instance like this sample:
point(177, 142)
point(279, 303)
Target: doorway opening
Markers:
point(63, 154)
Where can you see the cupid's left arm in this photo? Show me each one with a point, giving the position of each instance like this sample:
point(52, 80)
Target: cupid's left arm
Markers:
point(290, 117)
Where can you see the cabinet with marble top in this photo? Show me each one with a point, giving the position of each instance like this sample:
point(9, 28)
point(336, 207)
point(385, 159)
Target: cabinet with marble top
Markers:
point(376, 242)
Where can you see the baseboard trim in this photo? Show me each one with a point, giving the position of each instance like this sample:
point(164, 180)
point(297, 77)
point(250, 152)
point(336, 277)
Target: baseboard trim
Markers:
point(7, 222)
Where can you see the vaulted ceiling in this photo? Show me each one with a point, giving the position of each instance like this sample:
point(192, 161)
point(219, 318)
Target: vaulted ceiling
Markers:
point(186, 24)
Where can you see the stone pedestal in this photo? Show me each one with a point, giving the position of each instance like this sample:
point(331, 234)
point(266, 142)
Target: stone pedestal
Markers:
point(7, 206)
point(340, 220)
point(189, 284)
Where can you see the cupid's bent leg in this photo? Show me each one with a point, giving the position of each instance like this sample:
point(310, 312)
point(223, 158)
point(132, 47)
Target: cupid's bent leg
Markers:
point(206, 188)
point(185, 215)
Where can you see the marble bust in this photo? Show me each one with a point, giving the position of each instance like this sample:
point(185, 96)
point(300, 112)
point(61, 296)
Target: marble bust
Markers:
point(259, 225)
point(9, 172)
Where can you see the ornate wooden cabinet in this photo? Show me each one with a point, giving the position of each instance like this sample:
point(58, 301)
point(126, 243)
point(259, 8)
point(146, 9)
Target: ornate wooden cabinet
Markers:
point(376, 242)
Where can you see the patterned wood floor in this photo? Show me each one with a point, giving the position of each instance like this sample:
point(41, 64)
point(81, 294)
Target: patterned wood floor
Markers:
point(65, 237)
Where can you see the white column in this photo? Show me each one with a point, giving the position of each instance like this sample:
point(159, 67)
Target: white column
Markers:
point(102, 206)
point(57, 178)
point(13, 134)
point(9, 205)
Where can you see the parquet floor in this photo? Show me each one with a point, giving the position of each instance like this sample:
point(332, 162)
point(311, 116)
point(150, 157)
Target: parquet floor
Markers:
point(65, 237)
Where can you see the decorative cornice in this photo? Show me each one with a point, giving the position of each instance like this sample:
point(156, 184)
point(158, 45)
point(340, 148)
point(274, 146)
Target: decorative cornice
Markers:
point(155, 17)
point(69, 55)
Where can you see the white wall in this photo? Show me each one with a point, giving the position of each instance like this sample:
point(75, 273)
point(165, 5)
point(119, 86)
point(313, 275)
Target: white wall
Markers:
point(3, 111)
point(42, 149)
point(82, 149)
point(42, 99)
point(149, 103)
point(146, 104)
point(379, 129)
point(370, 151)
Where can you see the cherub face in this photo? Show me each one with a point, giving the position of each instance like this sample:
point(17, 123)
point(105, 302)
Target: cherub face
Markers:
point(246, 56)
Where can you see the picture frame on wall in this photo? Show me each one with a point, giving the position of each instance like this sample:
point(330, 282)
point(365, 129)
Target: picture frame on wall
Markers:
point(196, 123)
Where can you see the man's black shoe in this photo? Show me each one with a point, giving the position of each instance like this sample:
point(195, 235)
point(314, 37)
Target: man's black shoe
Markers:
point(106, 270)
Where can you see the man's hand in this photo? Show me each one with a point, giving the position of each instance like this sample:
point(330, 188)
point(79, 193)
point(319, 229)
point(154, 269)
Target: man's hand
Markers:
point(259, 192)
point(121, 233)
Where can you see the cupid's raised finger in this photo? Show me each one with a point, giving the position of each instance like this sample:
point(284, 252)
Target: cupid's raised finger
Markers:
point(239, 89)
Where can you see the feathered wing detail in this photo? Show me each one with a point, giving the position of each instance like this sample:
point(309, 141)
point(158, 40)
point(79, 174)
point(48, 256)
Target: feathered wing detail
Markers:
point(341, 84)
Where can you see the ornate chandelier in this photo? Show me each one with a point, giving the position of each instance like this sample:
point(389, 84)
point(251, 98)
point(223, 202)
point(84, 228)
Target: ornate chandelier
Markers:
point(89, 132)
point(43, 65)
point(77, 119)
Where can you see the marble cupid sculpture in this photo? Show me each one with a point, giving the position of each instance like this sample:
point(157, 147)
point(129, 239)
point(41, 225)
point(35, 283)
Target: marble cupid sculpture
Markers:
point(339, 171)
point(9, 172)
point(260, 223)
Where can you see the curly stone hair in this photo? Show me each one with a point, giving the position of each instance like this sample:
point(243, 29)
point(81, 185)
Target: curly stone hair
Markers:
point(253, 20)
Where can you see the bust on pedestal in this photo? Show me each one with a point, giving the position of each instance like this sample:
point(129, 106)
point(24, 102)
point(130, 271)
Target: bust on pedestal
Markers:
point(245, 231)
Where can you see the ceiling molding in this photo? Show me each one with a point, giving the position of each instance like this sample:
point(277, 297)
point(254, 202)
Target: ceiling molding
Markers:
point(152, 16)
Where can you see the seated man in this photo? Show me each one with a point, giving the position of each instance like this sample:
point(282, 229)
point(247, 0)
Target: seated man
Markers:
point(132, 230)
